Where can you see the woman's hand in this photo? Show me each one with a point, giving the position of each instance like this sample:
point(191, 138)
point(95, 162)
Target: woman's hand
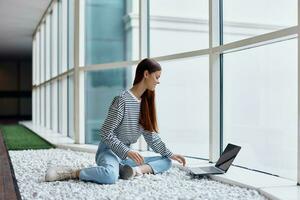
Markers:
point(136, 157)
point(178, 158)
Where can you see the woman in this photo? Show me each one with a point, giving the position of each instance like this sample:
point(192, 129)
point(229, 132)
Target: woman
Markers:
point(131, 114)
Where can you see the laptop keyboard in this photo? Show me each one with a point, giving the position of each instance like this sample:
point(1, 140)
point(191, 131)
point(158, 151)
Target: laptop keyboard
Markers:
point(199, 170)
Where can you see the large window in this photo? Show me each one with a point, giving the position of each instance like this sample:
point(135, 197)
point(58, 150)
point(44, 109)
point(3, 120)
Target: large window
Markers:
point(260, 106)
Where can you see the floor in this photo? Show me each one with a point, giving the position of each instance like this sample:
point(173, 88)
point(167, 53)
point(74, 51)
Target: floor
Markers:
point(8, 186)
point(174, 184)
point(271, 186)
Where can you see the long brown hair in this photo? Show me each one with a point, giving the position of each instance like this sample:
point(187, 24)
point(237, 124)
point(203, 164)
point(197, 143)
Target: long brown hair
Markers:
point(148, 111)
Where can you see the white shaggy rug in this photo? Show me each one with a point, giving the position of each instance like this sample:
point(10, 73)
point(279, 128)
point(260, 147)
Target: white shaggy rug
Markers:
point(30, 167)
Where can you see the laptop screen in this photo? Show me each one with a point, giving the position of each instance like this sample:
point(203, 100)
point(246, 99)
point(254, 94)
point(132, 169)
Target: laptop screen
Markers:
point(227, 157)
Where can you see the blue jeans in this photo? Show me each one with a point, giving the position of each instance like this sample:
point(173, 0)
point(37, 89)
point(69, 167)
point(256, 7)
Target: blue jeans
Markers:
point(107, 171)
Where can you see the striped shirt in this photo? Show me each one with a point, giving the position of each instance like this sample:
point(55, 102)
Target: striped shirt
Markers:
point(121, 127)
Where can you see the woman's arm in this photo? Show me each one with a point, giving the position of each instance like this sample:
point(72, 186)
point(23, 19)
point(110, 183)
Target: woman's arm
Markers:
point(158, 146)
point(179, 158)
point(154, 141)
point(113, 119)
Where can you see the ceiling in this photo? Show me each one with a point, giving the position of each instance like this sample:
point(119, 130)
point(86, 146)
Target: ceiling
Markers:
point(18, 20)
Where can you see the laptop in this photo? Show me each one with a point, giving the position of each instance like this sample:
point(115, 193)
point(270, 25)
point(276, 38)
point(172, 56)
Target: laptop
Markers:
point(222, 164)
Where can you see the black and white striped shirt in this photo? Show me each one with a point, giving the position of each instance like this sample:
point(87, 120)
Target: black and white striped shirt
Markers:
point(122, 128)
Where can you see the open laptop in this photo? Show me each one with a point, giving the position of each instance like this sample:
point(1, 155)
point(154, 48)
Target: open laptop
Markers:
point(222, 164)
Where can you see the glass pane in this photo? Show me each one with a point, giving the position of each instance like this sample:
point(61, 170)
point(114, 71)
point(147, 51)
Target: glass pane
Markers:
point(54, 40)
point(59, 36)
point(100, 89)
point(43, 106)
point(260, 107)
point(47, 47)
point(63, 107)
point(38, 60)
point(54, 105)
point(177, 26)
point(70, 107)
point(70, 34)
point(183, 106)
point(244, 19)
point(60, 107)
point(38, 105)
point(42, 53)
point(48, 109)
point(111, 31)
point(33, 106)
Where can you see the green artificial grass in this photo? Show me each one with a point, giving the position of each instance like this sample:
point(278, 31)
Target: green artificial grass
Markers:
point(17, 137)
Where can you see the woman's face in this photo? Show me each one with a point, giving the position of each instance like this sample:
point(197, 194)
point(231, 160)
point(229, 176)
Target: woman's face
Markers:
point(152, 80)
